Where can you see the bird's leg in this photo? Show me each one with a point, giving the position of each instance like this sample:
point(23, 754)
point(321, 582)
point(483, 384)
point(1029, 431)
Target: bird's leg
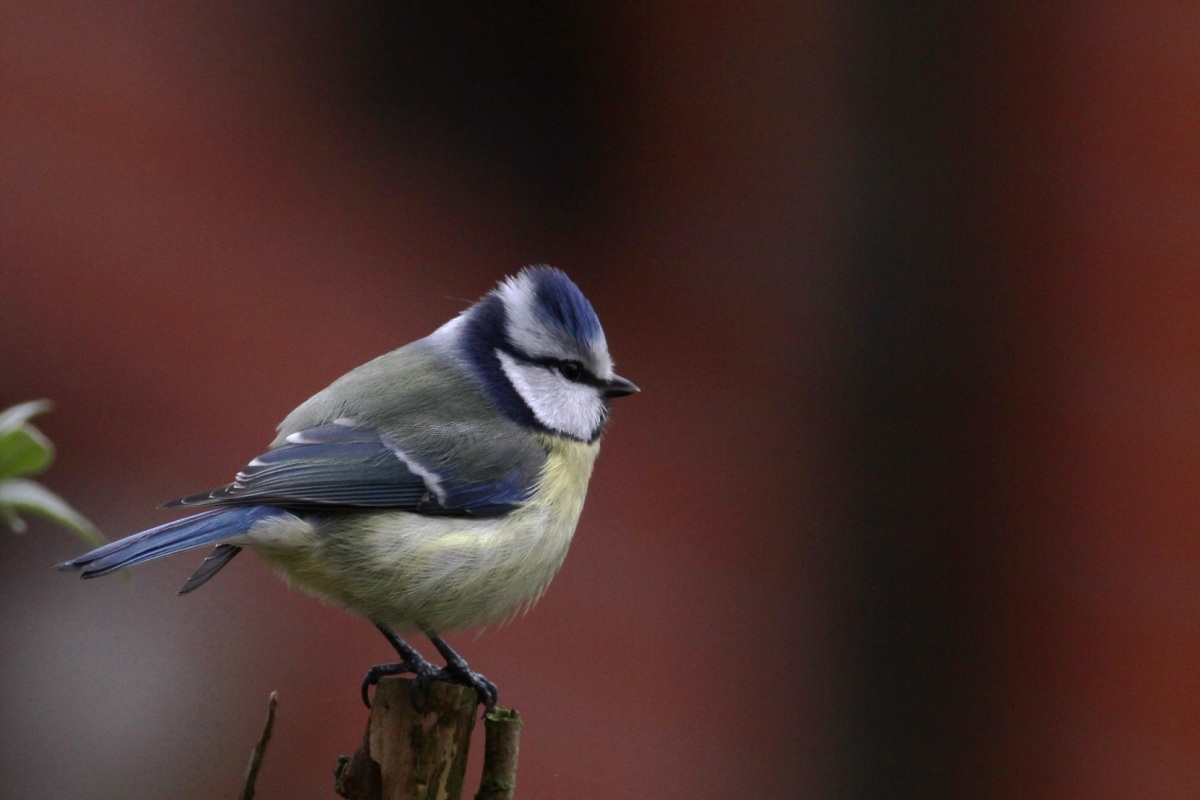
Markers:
point(457, 671)
point(413, 662)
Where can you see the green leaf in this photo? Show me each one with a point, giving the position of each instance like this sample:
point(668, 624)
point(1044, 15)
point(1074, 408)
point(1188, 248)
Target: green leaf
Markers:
point(18, 415)
point(19, 494)
point(24, 451)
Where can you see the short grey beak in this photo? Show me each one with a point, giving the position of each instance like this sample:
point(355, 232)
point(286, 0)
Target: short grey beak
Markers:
point(617, 386)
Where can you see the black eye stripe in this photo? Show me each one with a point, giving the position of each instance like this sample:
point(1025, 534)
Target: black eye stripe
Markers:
point(564, 366)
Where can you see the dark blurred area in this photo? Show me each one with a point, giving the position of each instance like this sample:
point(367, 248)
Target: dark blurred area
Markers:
point(907, 505)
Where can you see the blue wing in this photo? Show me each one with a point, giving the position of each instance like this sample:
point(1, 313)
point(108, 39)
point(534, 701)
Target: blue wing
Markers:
point(460, 472)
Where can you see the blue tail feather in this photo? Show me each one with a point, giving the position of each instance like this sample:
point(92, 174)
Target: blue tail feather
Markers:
point(210, 527)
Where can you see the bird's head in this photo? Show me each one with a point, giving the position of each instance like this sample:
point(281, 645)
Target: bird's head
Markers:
point(538, 347)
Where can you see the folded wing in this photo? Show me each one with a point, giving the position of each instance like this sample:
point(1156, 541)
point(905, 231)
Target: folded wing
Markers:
point(456, 470)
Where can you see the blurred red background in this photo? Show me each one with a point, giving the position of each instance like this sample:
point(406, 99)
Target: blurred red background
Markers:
point(906, 508)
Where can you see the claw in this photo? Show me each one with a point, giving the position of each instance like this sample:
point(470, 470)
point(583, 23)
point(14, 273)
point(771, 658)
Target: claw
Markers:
point(465, 676)
point(457, 671)
point(380, 671)
point(487, 691)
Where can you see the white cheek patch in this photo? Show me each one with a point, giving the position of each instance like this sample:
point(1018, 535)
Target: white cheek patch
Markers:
point(571, 408)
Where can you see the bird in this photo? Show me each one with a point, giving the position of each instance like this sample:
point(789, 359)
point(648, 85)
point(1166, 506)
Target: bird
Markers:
point(434, 488)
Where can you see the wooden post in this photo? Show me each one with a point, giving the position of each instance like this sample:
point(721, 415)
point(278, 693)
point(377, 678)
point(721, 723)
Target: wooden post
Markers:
point(411, 755)
point(502, 727)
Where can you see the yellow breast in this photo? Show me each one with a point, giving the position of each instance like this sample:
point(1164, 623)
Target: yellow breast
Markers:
point(446, 572)
point(564, 482)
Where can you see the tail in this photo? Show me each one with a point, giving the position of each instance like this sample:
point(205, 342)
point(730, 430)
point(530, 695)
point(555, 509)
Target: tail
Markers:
point(210, 527)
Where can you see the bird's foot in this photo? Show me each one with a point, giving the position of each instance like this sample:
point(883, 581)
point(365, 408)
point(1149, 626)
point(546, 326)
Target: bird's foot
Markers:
point(423, 670)
point(458, 672)
point(455, 671)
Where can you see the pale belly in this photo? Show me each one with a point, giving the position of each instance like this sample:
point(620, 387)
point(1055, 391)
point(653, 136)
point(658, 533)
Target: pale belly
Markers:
point(408, 570)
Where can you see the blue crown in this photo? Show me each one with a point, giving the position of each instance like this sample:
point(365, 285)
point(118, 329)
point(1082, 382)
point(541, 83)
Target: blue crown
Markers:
point(558, 303)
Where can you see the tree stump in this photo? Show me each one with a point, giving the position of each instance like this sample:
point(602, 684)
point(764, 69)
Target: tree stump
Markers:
point(422, 755)
point(408, 754)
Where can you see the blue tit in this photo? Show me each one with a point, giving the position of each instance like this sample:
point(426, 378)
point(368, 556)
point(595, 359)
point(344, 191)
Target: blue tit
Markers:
point(434, 488)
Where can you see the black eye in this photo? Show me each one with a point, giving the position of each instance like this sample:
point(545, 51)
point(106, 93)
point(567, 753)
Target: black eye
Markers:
point(571, 370)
